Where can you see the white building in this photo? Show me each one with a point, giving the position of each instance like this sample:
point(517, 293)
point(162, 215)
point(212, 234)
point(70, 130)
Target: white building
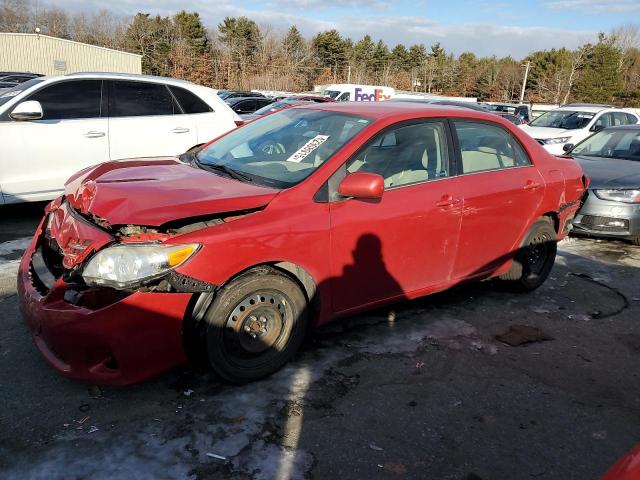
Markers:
point(32, 52)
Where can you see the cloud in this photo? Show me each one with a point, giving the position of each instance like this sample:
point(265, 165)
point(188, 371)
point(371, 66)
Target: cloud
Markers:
point(323, 4)
point(595, 6)
point(483, 39)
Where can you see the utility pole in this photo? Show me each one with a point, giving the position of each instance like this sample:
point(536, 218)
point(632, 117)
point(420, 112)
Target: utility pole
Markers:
point(527, 66)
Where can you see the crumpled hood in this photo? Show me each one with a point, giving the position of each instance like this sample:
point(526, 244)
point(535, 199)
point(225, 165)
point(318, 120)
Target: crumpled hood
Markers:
point(610, 173)
point(547, 132)
point(152, 192)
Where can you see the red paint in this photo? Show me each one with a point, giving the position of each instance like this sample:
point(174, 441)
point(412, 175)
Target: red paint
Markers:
point(362, 185)
point(360, 253)
point(627, 468)
point(75, 236)
point(153, 192)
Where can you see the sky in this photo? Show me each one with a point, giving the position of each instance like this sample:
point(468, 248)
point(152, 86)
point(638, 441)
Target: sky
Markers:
point(481, 26)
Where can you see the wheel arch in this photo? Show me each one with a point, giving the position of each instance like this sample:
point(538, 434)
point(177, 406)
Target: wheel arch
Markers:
point(555, 219)
point(192, 328)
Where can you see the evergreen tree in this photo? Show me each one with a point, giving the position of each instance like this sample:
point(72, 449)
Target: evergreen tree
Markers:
point(600, 81)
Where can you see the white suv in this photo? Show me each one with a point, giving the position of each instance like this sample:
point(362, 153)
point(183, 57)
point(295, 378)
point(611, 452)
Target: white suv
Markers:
point(573, 123)
point(52, 127)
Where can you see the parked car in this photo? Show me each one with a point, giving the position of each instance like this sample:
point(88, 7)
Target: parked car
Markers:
point(517, 109)
point(287, 102)
point(573, 123)
point(244, 105)
point(296, 219)
point(227, 94)
point(11, 79)
point(611, 159)
point(52, 127)
point(510, 117)
point(451, 103)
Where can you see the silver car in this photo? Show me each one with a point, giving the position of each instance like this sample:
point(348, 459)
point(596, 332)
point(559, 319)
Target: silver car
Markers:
point(611, 160)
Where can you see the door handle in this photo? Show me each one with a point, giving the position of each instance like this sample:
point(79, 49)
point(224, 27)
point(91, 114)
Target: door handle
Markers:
point(94, 134)
point(180, 130)
point(447, 201)
point(531, 185)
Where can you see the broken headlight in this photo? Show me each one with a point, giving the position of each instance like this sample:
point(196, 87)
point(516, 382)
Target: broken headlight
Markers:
point(129, 266)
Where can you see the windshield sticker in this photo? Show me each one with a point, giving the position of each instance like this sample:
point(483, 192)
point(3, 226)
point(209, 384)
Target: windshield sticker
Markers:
point(304, 151)
point(11, 94)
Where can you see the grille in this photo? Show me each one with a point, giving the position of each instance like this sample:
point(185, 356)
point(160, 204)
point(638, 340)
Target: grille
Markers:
point(605, 224)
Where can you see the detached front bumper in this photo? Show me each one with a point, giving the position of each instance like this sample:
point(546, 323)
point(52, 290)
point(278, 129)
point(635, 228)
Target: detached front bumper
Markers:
point(117, 340)
point(605, 218)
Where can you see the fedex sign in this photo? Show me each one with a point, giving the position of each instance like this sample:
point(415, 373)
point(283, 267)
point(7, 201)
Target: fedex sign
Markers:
point(377, 95)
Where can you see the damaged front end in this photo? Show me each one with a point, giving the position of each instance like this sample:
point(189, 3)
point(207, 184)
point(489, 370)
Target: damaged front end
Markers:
point(96, 260)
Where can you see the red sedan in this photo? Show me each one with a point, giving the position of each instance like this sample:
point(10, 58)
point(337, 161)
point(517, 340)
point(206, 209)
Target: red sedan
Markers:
point(289, 222)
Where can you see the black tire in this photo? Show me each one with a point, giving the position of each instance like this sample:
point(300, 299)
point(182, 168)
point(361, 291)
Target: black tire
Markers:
point(255, 325)
point(534, 259)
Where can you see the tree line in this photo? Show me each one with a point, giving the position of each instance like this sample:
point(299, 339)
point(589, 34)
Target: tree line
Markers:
point(240, 54)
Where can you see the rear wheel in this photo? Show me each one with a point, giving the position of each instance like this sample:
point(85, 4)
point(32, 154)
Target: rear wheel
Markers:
point(534, 259)
point(255, 325)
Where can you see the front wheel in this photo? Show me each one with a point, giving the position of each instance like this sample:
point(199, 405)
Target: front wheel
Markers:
point(255, 325)
point(534, 260)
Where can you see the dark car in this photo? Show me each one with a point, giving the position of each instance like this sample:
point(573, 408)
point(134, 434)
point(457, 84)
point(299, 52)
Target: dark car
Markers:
point(511, 117)
point(289, 222)
point(287, 102)
point(227, 94)
point(479, 107)
point(519, 109)
point(611, 159)
point(243, 105)
point(11, 79)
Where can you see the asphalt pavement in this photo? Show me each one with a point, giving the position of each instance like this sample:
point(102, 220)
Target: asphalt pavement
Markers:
point(422, 389)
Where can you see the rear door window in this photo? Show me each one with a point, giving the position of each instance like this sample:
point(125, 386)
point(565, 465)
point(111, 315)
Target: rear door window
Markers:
point(190, 102)
point(485, 147)
point(135, 99)
point(621, 118)
point(70, 100)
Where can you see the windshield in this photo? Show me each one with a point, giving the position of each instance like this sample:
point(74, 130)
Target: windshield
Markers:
point(273, 107)
point(624, 144)
point(331, 93)
point(5, 96)
point(283, 149)
point(566, 119)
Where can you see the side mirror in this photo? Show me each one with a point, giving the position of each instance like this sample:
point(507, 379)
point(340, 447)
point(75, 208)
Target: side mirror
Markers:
point(596, 128)
point(29, 110)
point(567, 147)
point(362, 185)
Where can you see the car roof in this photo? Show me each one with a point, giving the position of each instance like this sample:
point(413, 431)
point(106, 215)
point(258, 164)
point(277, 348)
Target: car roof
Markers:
point(390, 109)
point(125, 76)
point(583, 107)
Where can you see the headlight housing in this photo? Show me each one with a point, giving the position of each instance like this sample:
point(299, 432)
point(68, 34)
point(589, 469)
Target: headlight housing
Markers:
point(619, 195)
point(131, 265)
point(555, 141)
